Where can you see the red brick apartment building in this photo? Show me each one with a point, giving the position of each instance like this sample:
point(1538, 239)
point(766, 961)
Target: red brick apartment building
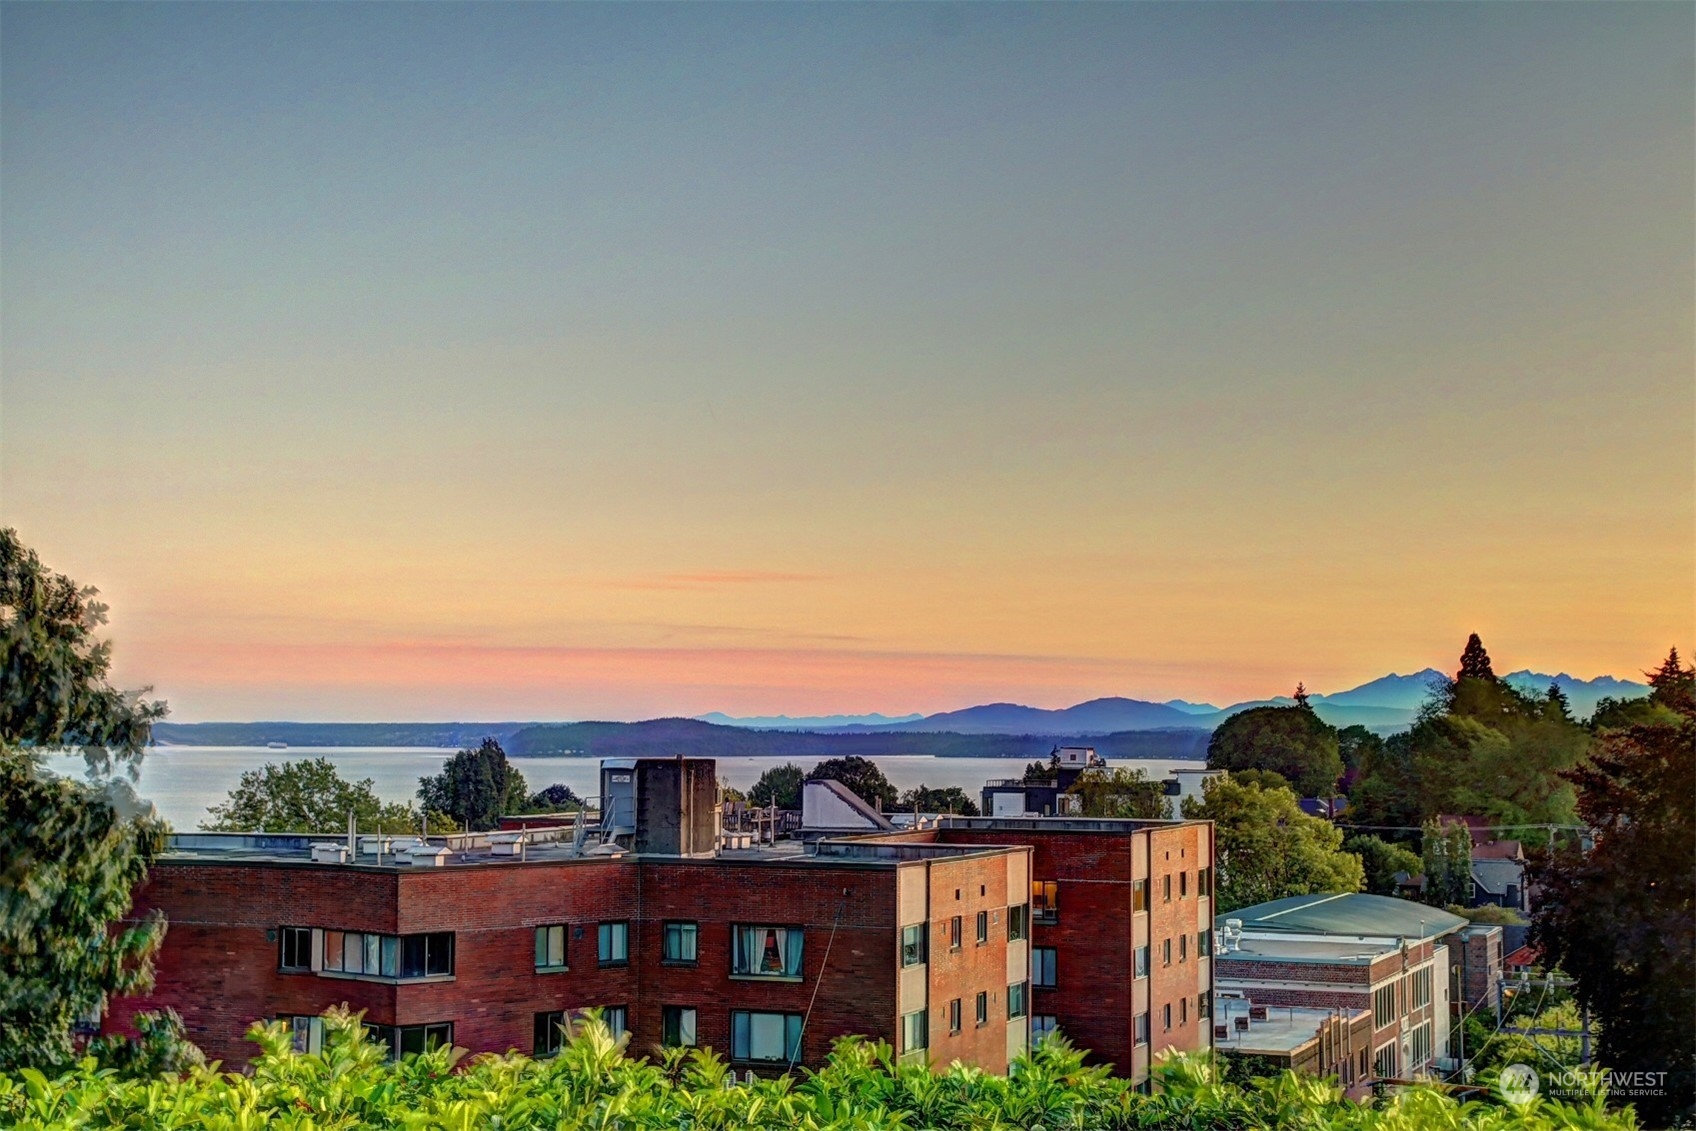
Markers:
point(766, 954)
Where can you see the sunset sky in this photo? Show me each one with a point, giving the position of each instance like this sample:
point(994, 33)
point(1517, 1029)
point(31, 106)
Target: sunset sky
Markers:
point(545, 361)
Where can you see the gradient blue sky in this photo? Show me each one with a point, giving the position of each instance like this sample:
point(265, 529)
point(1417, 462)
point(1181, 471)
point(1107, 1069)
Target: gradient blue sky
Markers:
point(609, 360)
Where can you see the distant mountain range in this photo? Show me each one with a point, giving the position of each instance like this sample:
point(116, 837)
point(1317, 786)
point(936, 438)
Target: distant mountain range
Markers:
point(1117, 727)
point(1387, 703)
point(803, 722)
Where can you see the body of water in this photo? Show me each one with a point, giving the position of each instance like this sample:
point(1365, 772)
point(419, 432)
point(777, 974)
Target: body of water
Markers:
point(183, 781)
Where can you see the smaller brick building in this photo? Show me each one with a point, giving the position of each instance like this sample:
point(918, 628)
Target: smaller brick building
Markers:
point(1349, 952)
point(1318, 1042)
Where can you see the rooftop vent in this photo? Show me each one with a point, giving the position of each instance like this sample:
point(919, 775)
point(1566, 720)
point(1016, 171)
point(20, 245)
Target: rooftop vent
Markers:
point(329, 852)
point(425, 856)
point(376, 845)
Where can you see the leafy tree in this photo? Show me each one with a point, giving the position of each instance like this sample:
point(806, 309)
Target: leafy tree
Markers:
point(1381, 860)
point(54, 692)
point(475, 787)
point(779, 786)
point(1291, 741)
point(728, 792)
point(310, 796)
point(1478, 748)
point(71, 853)
point(1121, 792)
point(555, 799)
point(1446, 853)
point(1354, 745)
point(1619, 918)
point(927, 800)
point(1268, 848)
point(860, 775)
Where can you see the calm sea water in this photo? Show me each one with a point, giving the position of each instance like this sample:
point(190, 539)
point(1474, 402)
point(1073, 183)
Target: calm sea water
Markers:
point(182, 781)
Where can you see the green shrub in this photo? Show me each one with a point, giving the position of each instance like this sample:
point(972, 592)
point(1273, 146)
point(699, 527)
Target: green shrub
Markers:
point(591, 1085)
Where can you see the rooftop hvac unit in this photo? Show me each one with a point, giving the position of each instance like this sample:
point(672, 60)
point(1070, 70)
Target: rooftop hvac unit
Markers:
point(425, 856)
point(376, 845)
point(329, 852)
point(508, 844)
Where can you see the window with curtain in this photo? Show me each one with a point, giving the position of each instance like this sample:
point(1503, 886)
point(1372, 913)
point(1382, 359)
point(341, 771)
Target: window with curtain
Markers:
point(765, 1036)
point(766, 952)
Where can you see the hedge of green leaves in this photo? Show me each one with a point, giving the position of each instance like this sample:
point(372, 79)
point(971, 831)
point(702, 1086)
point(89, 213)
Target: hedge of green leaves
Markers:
point(591, 1084)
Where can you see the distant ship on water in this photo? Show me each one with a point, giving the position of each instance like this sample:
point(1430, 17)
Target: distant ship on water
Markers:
point(276, 746)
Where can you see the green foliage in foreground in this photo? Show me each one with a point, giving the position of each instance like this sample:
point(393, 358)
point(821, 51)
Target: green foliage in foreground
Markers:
point(592, 1084)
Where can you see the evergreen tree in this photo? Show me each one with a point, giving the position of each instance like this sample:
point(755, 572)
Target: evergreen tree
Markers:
point(1673, 685)
point(1475, 661)
point(779, 786)
point(1620, 918)
point(475, 787)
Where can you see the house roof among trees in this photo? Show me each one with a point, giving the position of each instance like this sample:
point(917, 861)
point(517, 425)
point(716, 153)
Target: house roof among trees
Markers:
point(1353, 914)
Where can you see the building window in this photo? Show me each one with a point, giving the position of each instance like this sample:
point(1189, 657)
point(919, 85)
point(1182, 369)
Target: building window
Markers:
point(1421, 980)
point(983, 927)
point(1142, 1029)
point(306, 1033)
point(766, 952)
point(915, 1033)
point(1043, 1025)
point(1142, 962)
point(1384, 1062)
point(1016, 1000)
point(613, 948)
point(1166, 889)
point(954, 1015)
point(1204, 1005)
point(1042, 967)
point(548, 1032)
point(1183, 885)
point(677, 1026)
point(426, 956)
point(1165, 952)
point(1166, 1016)
point(1204, 942)
point(389, 956)
point(1203, 882)
point(409, 1040)
point(296, 949)
point(768, 1037)
point(983, 1007)
point(1045, 901)
point(680, 941)
point(913, 945)
point(617, 1019)
point(1139, 895)
point(956, 932)
point(1183, 947)
point(1183, 1011)
point(550, 947)
point(1018, 922)
point(1383, 1006)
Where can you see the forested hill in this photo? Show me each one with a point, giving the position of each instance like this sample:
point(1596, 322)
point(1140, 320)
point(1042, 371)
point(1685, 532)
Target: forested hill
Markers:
point(334, 734)
point(694, 738)
point(664, 737)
